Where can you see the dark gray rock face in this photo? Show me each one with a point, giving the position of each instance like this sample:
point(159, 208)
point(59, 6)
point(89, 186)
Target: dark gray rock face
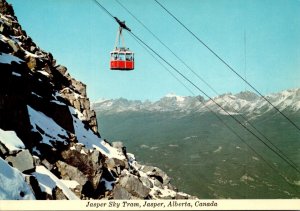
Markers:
point(146, 182)
point(156, 173)
point(22, 161)
point(134, 186)
point(58, 194)
point(3, 149)
point(51, 114)
point(68, 172)
point(86, 163)
point(61, 69)
point(121, 193)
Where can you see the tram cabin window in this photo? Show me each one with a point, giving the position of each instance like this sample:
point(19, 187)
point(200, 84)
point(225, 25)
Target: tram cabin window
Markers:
point(114, 56)
point(129, 57)
point(122, 57)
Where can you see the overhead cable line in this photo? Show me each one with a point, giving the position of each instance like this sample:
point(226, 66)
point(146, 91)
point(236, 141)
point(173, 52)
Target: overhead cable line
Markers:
point(184, 63)
point(173, 75)
point(231, 68)
point(220, 119)
point(121, 23)
point(250, 147)
point(100, 5)
point(204, 81)
point(187, 79)
point(204, 93)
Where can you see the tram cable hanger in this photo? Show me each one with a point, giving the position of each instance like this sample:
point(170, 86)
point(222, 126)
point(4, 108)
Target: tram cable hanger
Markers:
point(121, 58)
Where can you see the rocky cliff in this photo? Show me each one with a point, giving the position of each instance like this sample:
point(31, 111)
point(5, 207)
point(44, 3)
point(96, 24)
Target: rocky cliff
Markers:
point(50, 147)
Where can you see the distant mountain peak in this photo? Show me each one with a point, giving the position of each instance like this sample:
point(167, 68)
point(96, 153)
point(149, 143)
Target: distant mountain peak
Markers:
point(177, 97)
point(247, 95)
point(101, 100)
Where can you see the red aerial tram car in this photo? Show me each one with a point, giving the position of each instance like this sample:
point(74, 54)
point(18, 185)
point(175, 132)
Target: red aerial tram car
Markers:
point(121, 58)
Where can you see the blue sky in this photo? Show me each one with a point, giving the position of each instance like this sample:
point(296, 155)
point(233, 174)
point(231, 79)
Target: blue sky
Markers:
point(80, 36)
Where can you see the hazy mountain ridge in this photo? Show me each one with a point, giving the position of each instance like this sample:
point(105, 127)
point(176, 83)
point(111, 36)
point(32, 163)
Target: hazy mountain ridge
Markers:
point(244, 102)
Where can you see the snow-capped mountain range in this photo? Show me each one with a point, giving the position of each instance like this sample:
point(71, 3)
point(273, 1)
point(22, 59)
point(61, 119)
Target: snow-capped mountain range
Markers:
point(243, 102)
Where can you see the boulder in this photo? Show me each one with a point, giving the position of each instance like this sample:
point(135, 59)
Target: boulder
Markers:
point(68, 172)
point(76, 104)
point(146, 182)
point(85, 103)
point(92, 115)
point(157, 183)
point(156, 173)
point(117, 164)
point(22, 161)
point(61, 69)
point(32, 49)
point(14, 46)
point(95, 129)
point(58, 194)
point(3, 149)
point(121, 193)
point(110, 163)
point(88, 163)
point(121, 163)
point(134, 186)
point(79, 86)
point(31, 63)
point(68, 94)
point(53, 62)
point(95, 180)
point(48, 70)
point(46, 163)
point(96, 156)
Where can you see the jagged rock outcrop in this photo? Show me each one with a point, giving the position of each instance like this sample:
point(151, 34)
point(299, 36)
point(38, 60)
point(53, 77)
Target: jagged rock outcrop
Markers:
point(23, 161)
point(49, 132)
